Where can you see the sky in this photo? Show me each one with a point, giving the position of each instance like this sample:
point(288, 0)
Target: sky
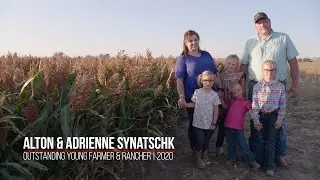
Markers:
point(91, 27)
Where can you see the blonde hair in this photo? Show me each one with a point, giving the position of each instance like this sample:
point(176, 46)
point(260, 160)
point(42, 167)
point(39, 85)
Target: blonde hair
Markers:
point(205, 74)
point(234, 57)
point(270, 62)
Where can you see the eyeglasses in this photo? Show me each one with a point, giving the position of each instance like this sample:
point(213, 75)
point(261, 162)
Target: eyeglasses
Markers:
point(269, 70)
point(207, 80)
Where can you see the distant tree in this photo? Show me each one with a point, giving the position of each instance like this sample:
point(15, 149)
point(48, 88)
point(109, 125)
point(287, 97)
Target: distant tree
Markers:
point(104, 56)
point(307, 60)
point(122, 55)
point(149, 54)
point(58, 55)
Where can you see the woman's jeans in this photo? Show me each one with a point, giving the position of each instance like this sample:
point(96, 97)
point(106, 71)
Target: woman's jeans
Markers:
point(190, 129)
point(221, 128)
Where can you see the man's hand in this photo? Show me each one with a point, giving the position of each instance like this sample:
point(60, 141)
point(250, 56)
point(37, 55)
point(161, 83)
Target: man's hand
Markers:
point(277, 124)
point(258, 127)
point(293, 92)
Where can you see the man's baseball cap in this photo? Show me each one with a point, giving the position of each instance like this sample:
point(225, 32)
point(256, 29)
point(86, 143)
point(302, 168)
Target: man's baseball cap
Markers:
point(260, 15)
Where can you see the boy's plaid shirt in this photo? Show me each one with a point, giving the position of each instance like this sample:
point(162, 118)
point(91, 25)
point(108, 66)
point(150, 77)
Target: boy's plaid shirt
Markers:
point(268, 97)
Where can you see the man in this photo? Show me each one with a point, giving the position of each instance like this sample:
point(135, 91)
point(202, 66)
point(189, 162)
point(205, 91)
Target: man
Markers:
point(278, 47)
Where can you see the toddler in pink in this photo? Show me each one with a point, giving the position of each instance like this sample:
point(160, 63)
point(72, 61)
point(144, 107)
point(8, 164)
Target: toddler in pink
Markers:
point(234, 123)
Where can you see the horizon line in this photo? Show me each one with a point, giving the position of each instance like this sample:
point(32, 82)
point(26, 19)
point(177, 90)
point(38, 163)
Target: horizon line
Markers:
point(115, 54)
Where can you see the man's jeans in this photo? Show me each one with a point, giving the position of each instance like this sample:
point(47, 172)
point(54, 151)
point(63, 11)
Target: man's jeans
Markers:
point(202, 138)
point(265, 140)
point(281, 142)
point(236, 138)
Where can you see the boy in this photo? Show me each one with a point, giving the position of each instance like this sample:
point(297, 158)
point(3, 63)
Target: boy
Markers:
point(268, 110)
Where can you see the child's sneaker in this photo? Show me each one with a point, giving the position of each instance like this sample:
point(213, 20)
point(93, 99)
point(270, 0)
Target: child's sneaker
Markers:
point(270, 172)
point(282, 162)
point(232, 163)
point(199, 162)
point(205, 156)
point(219, 151)
point(254, 165)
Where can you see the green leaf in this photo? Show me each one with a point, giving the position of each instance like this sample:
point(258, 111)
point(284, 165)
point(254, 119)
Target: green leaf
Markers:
point(153, 132)
point(17, 166)
point(64, 120)
point(34, 164)
point(96, 113)
point(4, 172)
point(7, 120)
point(4, 175)
point(2, 98)
point(8, 110)
point(65, 98)
point(144, 107)
point(28, 82)
point(156, 131)
point(43, 117)
point(66, 91)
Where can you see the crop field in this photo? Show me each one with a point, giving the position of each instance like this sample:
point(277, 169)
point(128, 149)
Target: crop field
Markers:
point(127, 96)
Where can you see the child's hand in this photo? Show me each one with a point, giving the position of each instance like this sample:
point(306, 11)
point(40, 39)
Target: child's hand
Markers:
point(213, 126)
point(190, 105)
point(277, 124)
point(258, 127)
point(220, 93)
point(224, 106)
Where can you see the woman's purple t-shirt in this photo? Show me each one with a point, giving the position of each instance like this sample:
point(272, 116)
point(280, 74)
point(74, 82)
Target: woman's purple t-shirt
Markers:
point(190, 67)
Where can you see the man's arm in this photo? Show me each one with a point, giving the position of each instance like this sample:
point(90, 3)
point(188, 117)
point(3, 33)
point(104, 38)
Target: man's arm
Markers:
point(244, 68)
point(245, 58)
point(295, 75)
point(292, 53)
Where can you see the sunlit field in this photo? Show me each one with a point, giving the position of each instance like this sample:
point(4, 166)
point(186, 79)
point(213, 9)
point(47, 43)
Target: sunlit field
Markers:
point(125, 96)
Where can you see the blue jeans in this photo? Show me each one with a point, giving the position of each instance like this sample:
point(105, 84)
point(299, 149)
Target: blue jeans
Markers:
point(236, 138)
point(202, 138)
point(265, 141)
point(281, 142)
point(190, 129)
point(221, 133)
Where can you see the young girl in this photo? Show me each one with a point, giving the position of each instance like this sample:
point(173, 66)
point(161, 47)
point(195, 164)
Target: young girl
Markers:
point(229, 76)
point(234, 123)
point(205, 102)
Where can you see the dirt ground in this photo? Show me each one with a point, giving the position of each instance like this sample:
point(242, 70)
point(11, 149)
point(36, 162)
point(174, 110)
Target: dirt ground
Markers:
point(303, 136)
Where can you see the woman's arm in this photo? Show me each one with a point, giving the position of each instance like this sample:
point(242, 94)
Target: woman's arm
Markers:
point(180, 89)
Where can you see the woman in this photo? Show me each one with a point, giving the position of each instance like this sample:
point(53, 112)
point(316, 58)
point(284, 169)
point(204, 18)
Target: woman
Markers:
point(191, 63)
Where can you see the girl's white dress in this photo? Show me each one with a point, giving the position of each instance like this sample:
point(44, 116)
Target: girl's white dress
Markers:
point(203, 111)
